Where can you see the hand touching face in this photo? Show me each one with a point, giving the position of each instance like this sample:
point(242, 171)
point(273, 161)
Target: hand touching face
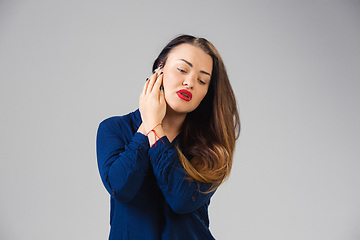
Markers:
point(152, 103)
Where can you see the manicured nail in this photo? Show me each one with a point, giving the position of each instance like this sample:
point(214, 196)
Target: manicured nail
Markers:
point(161, 73)
point(146, 79)
point(161, 88)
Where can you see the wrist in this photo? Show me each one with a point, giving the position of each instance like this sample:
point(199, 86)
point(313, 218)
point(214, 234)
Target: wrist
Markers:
point(154, 134)
point(141, 129)
point(151, 126)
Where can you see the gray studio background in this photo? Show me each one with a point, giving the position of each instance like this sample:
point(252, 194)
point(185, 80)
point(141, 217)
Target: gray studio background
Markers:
point(294, 66)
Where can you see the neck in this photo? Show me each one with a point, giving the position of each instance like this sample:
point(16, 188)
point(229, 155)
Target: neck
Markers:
point(172, 122)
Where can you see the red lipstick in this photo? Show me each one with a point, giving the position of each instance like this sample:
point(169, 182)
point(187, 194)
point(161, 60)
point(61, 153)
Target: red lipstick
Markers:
point(184, 95)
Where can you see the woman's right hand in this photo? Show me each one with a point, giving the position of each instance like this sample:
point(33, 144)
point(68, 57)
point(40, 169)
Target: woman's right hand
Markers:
point(152, 104)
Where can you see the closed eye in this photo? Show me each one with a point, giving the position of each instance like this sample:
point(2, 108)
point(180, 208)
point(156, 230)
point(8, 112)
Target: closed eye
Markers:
point(181, 70)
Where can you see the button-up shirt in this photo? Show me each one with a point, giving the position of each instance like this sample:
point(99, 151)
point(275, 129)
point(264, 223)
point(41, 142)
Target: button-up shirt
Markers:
point(151, 194)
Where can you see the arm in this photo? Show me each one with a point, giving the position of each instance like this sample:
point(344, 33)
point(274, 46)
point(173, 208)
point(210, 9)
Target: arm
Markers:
point(183, 195)
point(122, 159)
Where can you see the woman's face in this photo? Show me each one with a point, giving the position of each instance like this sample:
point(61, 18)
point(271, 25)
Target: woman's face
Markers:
point(187, 73)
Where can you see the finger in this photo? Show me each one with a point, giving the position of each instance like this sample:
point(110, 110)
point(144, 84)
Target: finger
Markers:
point(162, 94)
point(148, 80)
point(158, 82)
point(145, 86)
point(162, 100)
point(152, 80)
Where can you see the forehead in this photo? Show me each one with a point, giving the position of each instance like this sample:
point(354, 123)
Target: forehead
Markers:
point(193, 54)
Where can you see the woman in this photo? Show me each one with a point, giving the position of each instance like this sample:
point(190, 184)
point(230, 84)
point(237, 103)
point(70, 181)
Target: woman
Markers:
point(162, 163)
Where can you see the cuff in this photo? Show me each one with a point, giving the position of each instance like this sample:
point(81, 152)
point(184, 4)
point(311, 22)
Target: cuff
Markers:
point(162, 145)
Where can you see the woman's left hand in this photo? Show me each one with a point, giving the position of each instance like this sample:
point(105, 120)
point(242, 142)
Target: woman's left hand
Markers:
point(152, 104)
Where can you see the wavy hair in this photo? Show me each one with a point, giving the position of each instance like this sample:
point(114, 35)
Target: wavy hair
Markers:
point(211, 141)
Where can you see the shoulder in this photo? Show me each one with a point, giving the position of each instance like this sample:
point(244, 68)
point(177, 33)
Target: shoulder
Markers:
point(129, 121)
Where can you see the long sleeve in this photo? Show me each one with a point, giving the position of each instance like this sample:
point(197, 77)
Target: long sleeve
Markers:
point(122, 157)
point(183, 195)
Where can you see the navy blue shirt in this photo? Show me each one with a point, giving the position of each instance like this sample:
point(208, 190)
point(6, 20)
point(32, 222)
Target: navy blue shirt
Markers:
point(151, 197)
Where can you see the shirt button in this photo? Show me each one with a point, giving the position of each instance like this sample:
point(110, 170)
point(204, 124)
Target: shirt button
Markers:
point(113, 192)
point(193, 199)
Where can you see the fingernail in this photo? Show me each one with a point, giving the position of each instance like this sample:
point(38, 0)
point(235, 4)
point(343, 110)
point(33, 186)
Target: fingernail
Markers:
point(161, 88)
point(146, 79)
point(161, 73)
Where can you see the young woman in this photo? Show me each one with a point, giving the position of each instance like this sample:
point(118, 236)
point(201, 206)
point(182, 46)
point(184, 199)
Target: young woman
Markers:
point(162, 163)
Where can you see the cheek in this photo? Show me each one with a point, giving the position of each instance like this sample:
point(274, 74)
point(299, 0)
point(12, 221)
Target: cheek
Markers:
point(202, 94)
point(165, 83)
point(168, 85)
point(168, 80)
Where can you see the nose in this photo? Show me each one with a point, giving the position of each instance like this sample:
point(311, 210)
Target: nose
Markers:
point(189, 81)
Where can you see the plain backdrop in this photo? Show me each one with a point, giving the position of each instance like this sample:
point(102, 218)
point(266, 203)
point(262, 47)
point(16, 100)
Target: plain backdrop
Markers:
point(295, 69)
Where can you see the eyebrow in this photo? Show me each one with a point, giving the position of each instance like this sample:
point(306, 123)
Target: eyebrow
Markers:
point(190, 64)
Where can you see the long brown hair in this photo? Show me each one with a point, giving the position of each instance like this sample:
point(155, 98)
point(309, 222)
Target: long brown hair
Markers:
point(210, 131)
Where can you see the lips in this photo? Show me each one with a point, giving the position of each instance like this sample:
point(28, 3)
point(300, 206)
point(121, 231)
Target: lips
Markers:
point(184, 94)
